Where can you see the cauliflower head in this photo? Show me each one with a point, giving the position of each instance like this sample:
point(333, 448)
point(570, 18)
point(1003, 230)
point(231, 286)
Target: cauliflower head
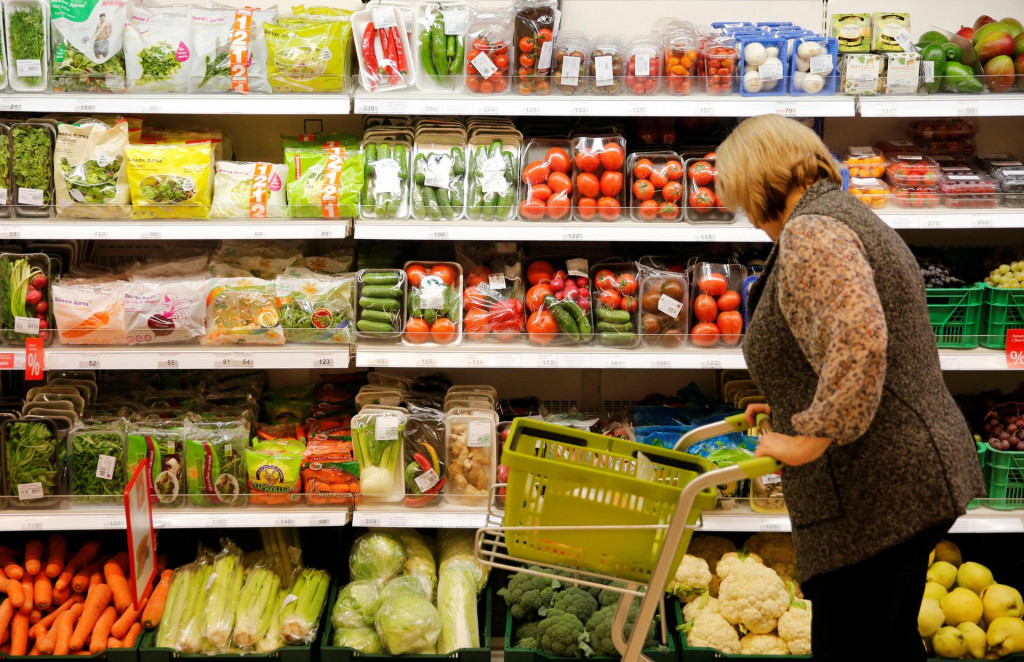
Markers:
point(704, 604)
point(733, 560)
point(795, 629)
point(710, 548)
point(753, 596)
point(763, 644)
point(691, 579)
point(712, 631)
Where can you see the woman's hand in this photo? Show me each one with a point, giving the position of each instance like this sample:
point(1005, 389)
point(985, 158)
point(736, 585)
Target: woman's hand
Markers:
point(791, 451)
point(754, 410)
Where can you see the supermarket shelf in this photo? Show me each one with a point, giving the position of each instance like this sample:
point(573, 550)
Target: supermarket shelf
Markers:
point(742, 518)
point(539, 231)
point(94, 517)
point(490, 355)
point(281, 228)
point(943, 105)
point(695, 105)
point(444, 516)
point(948, 219)
point(180, 104)
point(174, 357)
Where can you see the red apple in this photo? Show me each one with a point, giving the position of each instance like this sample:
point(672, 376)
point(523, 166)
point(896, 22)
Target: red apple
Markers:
point(982, 20)
point(999, 73)
point(993, 45)
point(966, 32)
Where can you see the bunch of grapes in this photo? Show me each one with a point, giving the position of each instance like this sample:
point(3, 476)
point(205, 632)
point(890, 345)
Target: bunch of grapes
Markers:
point(1007, 276)
point(1005, 431)
point(936, 274)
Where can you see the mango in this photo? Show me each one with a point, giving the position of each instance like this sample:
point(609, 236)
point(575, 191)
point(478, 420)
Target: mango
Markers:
point(1018, 45)
point(989, 28)
point(999, 74)
point(993, 45)
point(984, 19)
point(1018, 65)
point(1016, 27)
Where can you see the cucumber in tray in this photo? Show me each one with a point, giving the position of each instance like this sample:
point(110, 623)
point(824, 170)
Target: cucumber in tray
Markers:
point(379, 303)
point(492, 183)
point(385, 181)
point(439, 185)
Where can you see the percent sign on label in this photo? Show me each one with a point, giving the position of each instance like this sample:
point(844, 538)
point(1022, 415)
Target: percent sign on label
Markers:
point(1015, 349)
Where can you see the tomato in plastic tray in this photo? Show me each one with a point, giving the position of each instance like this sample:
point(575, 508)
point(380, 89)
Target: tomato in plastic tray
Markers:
point(912, 170)
point(598, 191)
point(558, 301)
point(643, 66)
point(942, 129)
point(616, 304)
point(917, 197)
point(968, 190)
point(702, 202)
point(718, 62)
point(873, 192)
point(681, 54)
point(493, 303)
point(962, 148)
point(716, 315)
point(547, 185)
point(604, 66)
point(656, 186)
point(487, 55)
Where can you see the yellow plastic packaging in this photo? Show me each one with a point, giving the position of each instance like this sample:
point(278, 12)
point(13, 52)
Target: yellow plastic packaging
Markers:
point(171, 180)
point(308, 55)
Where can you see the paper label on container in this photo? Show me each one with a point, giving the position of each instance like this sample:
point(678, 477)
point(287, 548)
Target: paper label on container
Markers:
point(426, 480)
point(496, 281)
point(493, 180)
point(603, 71)
point(484, 65)
point(577, 266)
point(432, 296)
point(822, 64)
point(478, 435)
point(905, 42)
point(861, 72)
point(771, 479)
point(31, 196)
point(29, 68)
point(669, 306)
point(26, 325)
point(105, 467)
point(544, 60)
point(386, 178)
point(28, 491)
point(928, 68)
point(455, 21)
point(438, 172)
point(384, 17)
point(387, 428)
point(571, 70)
point(642, 62)
point(770, 71)
point(3, 196)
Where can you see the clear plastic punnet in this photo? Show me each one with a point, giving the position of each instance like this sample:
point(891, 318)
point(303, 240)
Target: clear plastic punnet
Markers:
point(433, 303)
point(664, 307)
point(720, 60)
point(488, 54)
point(383, 49)
point(970, 189)
point(872, 191)
point(915, 197)
point(34, 470)
point(605, 65)
point(913, 170)
point(32, 146)
point(863, 161)
point(598, 179)
point(702, 202)
point(440, 44)
point(681, 48)
point(616, 304)
point(96, 462)
point(546, 179)
point(535, 26)
point(385, 192)
point(644, 59)
point(493, 177)
point(572, 51)
point(380, 304)
point(716, 313)
point(25, 298)
point(656, 186)
point(558, 301)
point(439, 176)
point(471, 447)
point(377, 444)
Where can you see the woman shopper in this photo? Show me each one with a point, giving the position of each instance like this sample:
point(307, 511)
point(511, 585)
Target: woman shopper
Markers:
point(879, 461)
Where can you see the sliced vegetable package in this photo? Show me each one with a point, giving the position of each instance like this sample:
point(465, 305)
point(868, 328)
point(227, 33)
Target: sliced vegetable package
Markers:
point(616, 304)
point(162, 446)
point(229, 50)
point(558, 302)
point(172, 180)
point(315, 308)
point(324, 179)
point(158, 48)
point(249, 190)
point(27, 43)
point(32, 463)
point(96, 463)
point(308, 55)
point(215, 461)
point(440, 44)
point(87, 45)
point(90, 311)
point(242, 311)
point(425, 472)
point(377, 439)
point(434, 303)
point(32, 149)
point(25, 298)
point(164, 310)
point(91, 178)
point(384, 53)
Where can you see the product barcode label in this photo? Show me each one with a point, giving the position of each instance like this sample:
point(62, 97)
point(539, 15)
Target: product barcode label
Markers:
point(544, 61)
point(387, 428)
point(479, 434)
point(577, 266)
point(770, 71)
point(29, 68)
point(438, 172)
point(384, 17)
point(105, 467)
point(771, 479)
point(669, 306)
point(822, 64)
point(29, 491)
point(905, 42)
point(643, 61)
point(571, 70)
point(432, 298)
point(31, 196)
point(27, 325)
point(3, 196)
point(484, 65)
point(455, 21)
point(426, 480)
point(496, 281)
point(603, 71)
point(928, 67)
point(386, 178)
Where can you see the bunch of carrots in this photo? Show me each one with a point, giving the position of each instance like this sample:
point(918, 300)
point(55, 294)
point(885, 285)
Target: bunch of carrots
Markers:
point(83, 606)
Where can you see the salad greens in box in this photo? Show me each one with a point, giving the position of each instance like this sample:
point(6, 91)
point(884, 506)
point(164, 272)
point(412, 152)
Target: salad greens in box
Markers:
point(32, 147)
point(215, 462)
point(315, 308)
point(96, 462)
point(5, 166)
point(34, 462)
point(161, 444)
point(24, 289)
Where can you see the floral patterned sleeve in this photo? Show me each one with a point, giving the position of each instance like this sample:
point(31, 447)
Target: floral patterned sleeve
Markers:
point(827, 294)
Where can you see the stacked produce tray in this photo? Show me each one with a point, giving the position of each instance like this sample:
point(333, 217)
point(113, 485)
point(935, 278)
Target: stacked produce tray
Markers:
point(1004, 310)
point(955, 314)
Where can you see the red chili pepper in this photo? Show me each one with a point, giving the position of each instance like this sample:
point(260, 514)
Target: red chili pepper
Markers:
point(392, 51)
point(396, 39)
point(422, 460)
point(425, 499)
point(369, 55)
point(383, 36)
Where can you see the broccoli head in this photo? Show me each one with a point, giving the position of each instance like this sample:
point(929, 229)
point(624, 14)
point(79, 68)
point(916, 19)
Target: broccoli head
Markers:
point(575, 601)
point(599, 626)
point(607, 597)
point(529, 643)
point(563, 635)
point(526, 594)
point(527, 630)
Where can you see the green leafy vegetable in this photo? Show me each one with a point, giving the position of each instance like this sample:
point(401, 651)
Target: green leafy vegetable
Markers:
point(300, 617)
point(16, 279)
point(32, 457)
point(167, 188)
point(73, 71)
point(33, 157)
point(158, 62)
point(87, 449)
point(218, 65)
point(91, 182)
point(27, 38)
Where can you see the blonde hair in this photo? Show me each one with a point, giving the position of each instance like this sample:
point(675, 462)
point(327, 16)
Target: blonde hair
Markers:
point(764, 159)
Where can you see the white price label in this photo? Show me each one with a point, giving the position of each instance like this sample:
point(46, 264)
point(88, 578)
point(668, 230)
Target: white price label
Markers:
point(432, 298)
point(484, 65)
point(32, 525)
point(321, 520)
point(386, 178)
point(384, 17)
point(29, 68)
point(168, 361)
point(496, 281)
point(575, 361)
point(774, 525)
point(928, 67)
point(670, 306)
point(426, 362)
point(822, 64)
point(151, 234)
point(572, 236)
point(577, 266)
point(387, 428)
point(105, 466)
point(323, 361)
point(455, 21)
point(661, 364)
point(438, 172)
point(570, 71)
point(905, 42)
point(770, 71)
point(31, 196)
point(26, 325)
point(603, 71)
point(378, 362)
point(29, 491)
point(478, 434)
point(426, 480)
point(771, 479)
point(286, 521)
point(711, 364)
point(234, 360)
point(544, 60)
point(967, 109)
point(113, 524)
point(642, 61)
point(493, 175)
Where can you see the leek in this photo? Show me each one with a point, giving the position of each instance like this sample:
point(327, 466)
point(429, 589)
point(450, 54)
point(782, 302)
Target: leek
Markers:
point(257, 605)
point(222, 596)
point(192, 627)
point(304, 603)
point(272, 640)
point(170, 622)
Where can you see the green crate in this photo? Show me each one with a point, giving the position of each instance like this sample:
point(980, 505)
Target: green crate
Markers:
point(1003, 311)
point(688, 654)
point(982, 453)
point(513, 654)
point(331, 653)
point(955, 315)
point(111, 655)
point(1004, 479)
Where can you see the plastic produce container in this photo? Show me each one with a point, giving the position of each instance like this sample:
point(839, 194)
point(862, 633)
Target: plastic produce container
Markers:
point(388, 63)
point(616, 304)
point(813, 66)
point(96, 463)
point(535, 24)
point(955, 315)
point(572, 52)
point(942, 129)
point(702, 203)
point(27, 44)
point(32, 146)
point(386, 186)
point(763, 65)
point(558, 301)
point(863, 161)
point(605, 68)
point(471, 448)
point(1003, 310)
point(681, 51)
point(488, 55)
point(643, 67)
point(915, 197)
point(664, 307)
point(913, 170)
point(439, 177)
point(598, 179)
point(1011, 186)
point(34, 470)
point(716, 316)
point(873, 192)
point(656, 186)
point(436, 23)
point(493, 177)
point(969, 190)
point(21, 315)
point(6, 163)
point(546, 180)
point(720, 59)
point(380, 304)
point(433, 303)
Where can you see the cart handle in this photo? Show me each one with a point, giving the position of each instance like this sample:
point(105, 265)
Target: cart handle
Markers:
point(759, 466)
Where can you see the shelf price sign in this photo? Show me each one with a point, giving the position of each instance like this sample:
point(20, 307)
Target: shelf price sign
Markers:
point(35, 363)
point(1015, 349)
point(141, 540)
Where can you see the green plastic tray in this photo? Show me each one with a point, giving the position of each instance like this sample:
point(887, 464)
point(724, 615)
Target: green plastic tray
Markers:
point(112, 655)
point(1003, 310)
point(955, 315)
point(332, 653)
point(1005, 479)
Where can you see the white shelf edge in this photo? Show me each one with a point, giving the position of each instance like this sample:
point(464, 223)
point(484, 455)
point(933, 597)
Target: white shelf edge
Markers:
point(175, 229)
point(444, 516)
point(742, 518)
point(183, 104)
point(91, 518)
point(942, 105)
point(183, 357)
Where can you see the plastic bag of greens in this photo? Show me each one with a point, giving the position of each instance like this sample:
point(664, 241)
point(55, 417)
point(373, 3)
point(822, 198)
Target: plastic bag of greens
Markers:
point(91, 179)
point(357, 604)
point(249, 190)
point(96, 462)
point(170, 180)
point(86, 38)
point(408, 624)
point(419, 557)
point(376, 555)
point(325, 176)
point(230, 50)
point(161, 444)
point(34, 466)
point(315, 308)
point(158, 48)
point(215, 461)
point(242, 311)
point(222, 594)
point(363, 639)
point(309, 53)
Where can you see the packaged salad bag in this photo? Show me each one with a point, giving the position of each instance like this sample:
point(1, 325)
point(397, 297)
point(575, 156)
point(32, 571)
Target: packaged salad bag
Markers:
point(230, 50)
point(90, 175)
point(325, 176)
point(315, 308)
point(249, 190)
point(309, 53)
point(158, 48)
point(86, 38)
point(215, 462)
point(242, 311)
point(170, 180)
point(164, 310)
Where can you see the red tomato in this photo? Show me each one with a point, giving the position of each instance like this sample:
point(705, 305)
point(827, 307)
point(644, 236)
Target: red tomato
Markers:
point(588, 185)
point(673, 171)
point(731, 324)
point(610, 299)
point(649, 210)
point(532, 210)
point(472, 83)
point(669, 211)
point(701, 173)
point(477, 275)
point(541, 327)
point(704, 335)
point(672, 191)
point(702, 199)
point(559, 205)
point(500, 84)
point(476, 325)
point(611, 183)
point(480, 44)
point(486, 87)
point(659, 179)
point(444, 272)
point(539, 192)
point(536, 173)
point(643, 189)
point(535, 297)
point(558, 160)
point(417, 330)
point(559, 181)
point(527, 44)
point(475, 298)
point(415, 274)
point(527, 60)
point(586, 209)
point(729, 301)
point(539, 271)
point(629, 304)
point(544, 34)
point(608, 208)
point(626, 284)
point(612, 156)
point(605, 280)
point(642, 169)
point(704, 308)
point(713, 284)
point(587, 161)
point(501, 62)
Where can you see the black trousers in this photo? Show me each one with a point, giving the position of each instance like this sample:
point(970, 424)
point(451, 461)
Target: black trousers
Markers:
point(889, 586)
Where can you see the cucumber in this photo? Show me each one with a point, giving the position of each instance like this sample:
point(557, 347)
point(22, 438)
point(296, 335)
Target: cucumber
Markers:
point(495, 149)
point(419, 209)
point(458, 194)
point(581, 318)
point(504, 204)
point(370, 154)
point(608, 327)
point(458, 161)
point(616, 338)
point(373, 326)
point(377, 316)
point(490, 208)
point(419, 169)
point(563, 318)
point(402, 157)
point(510, 168)
point(386, 305)
point(380, 206)
point(383, 152)
point(613, 316)
point(433, 209)
point(444, 203)
point(474, 199)
point(382, 278)
point(382, 291)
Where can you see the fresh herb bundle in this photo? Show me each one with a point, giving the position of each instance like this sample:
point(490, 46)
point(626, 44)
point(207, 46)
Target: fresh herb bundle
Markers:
point(33, 158)
point(31, 457)
point(87, 447)
point(27, 38)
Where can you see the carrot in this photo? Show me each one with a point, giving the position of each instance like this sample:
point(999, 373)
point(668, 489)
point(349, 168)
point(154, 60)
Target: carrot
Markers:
point(64, 628)
point(155, 609)
point(42, 596)
point(33, 556)
point(19, 634)
point(34, 616)
point(128, 618)
point(60, 595)
point(95, 578)
point(81, 581)
point(101, 631)
point(85, 555)
point(15, 593)
point(35, 650)
point(57, 549)
point(118, 585)
point(40, 629)
point(121, 559)
point(133, 632)
point(11, 569)
point(27, 588)
point(95, 604)
point(113, 642)
point(6, 614)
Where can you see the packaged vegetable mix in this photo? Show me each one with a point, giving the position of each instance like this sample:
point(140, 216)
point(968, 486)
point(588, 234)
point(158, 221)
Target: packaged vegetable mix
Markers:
point(273, 471)
point(215, 461)
point(96, 462)
point(25, 298)
point(249, 190)
point(32, 165)
point(162, 446)
point(324, 179)
point(242, 311)
point(158, 48)
point(307, 55)
point(34, 468)
point(90, 173)
point(315, 308)
point(230, 50)
point(330, 473)
point(172, 180)
point(90, 311)
point(87, 45)
point(164, 310)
